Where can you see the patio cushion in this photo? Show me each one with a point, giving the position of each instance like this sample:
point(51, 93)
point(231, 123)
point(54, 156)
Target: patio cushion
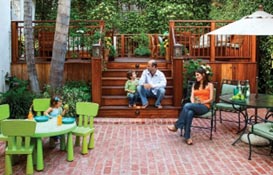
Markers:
point(263, 129)
point(227, 89)
point(225, 106)
point(207, 115)
point(255, 140)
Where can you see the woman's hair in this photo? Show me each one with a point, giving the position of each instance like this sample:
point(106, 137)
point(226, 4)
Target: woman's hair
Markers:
point(202, 71)
point(54, 100)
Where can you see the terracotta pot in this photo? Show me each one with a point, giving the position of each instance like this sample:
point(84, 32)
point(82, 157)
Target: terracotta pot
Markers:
point(167, 56)
point(106, 54)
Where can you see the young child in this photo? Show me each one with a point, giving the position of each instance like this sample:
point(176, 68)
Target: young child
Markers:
point(55, 110)
point(130, 88)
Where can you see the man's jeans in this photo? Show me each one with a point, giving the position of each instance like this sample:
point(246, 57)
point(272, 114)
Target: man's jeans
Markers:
point(144, 94)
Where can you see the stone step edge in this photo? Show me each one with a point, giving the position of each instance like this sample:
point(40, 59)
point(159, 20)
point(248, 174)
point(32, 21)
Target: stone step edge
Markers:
point(137, 121)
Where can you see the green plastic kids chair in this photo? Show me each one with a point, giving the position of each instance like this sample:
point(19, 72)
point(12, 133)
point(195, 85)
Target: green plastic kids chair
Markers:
point(19, 134)
point(40, 105)
point(86, 111)
point(4, 114)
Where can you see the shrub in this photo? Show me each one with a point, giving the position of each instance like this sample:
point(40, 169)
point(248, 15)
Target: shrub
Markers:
point(72, 92)
point(18, 97)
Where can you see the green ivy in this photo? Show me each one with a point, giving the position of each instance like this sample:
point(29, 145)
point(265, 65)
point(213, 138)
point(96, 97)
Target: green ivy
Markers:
point(152, 16)
point(189, 69)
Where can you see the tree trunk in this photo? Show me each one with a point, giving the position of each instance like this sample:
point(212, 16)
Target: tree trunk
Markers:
point(60, 44)
point(29, 49)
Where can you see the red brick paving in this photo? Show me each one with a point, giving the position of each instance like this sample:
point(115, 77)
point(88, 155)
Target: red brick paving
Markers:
point(144, 146)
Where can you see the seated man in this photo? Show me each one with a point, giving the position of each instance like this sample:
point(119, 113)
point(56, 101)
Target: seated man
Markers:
point(152, 83)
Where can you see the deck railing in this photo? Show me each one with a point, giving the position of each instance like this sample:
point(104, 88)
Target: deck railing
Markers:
point(126, 44)
point(81, 37)
point(191, 36)
point(187, 39)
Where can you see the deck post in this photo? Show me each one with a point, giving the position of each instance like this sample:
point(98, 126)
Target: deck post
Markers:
point(96, 76)
point(212, 43)
point(122, 43)
point(177, 75)
point(14, 41)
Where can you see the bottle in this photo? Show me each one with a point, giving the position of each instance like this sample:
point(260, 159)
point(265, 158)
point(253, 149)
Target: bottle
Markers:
point(239, 88)
point(30, 115)
point(59, 120)
point(247, 89)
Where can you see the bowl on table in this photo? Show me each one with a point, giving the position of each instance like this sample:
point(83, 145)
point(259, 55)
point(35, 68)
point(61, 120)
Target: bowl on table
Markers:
point(68, 120)
point(41, 118)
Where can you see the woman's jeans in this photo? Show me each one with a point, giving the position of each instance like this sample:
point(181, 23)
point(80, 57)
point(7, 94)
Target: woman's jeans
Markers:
point(144, 93)
point(186, 115)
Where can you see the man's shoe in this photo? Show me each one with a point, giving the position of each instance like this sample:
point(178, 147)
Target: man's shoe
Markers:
point(172, 128)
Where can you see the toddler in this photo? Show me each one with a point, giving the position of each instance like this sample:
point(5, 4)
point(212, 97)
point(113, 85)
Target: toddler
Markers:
point(130, 88)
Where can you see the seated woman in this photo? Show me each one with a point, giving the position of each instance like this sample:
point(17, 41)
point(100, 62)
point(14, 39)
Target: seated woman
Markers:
point(201, 97)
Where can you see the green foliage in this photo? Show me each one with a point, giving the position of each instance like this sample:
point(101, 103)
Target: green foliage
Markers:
point(143, 45)
point(265, 65)
point(112, 52)
point(189, 70)
point(141, 39)
point(71, 92)
point(129, 16)
point(107, 12)
point(18, 97)
point(142, 51)
point(135, 23)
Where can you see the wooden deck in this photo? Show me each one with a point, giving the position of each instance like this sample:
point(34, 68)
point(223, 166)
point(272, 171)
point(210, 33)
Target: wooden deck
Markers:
point(230, 57)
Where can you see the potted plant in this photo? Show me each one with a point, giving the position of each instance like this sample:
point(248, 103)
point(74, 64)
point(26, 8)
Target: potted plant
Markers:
point(107, 45)
point(112, 53)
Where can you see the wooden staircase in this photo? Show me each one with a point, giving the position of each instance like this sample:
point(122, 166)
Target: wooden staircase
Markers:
point(114, 102)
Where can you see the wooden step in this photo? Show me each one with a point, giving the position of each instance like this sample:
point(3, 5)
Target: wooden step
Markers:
point(114, 102)
point(149, 112)
point(123, 72)
point(120, 81)
point(139, 63)
point(123, 100)
point(119, 90)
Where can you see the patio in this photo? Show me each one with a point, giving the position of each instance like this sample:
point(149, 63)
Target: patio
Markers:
point(144, 146)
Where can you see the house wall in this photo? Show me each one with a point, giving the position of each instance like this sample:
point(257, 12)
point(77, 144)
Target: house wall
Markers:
point(5, 49)
point(17, 10)
point(9, 10)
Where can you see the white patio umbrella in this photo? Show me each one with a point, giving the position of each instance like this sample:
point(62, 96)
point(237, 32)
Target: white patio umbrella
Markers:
point(258, 23)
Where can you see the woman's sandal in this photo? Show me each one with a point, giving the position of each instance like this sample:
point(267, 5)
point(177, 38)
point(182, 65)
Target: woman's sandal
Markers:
point(189, 142)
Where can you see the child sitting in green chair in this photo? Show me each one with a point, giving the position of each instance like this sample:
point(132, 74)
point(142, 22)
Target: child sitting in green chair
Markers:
point(55, 110)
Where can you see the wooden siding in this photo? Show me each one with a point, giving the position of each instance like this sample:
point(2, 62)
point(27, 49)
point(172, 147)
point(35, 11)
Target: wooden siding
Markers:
point(72, 72)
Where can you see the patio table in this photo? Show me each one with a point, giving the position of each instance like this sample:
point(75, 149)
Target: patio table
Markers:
point(49, 129)
point(255, 101)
